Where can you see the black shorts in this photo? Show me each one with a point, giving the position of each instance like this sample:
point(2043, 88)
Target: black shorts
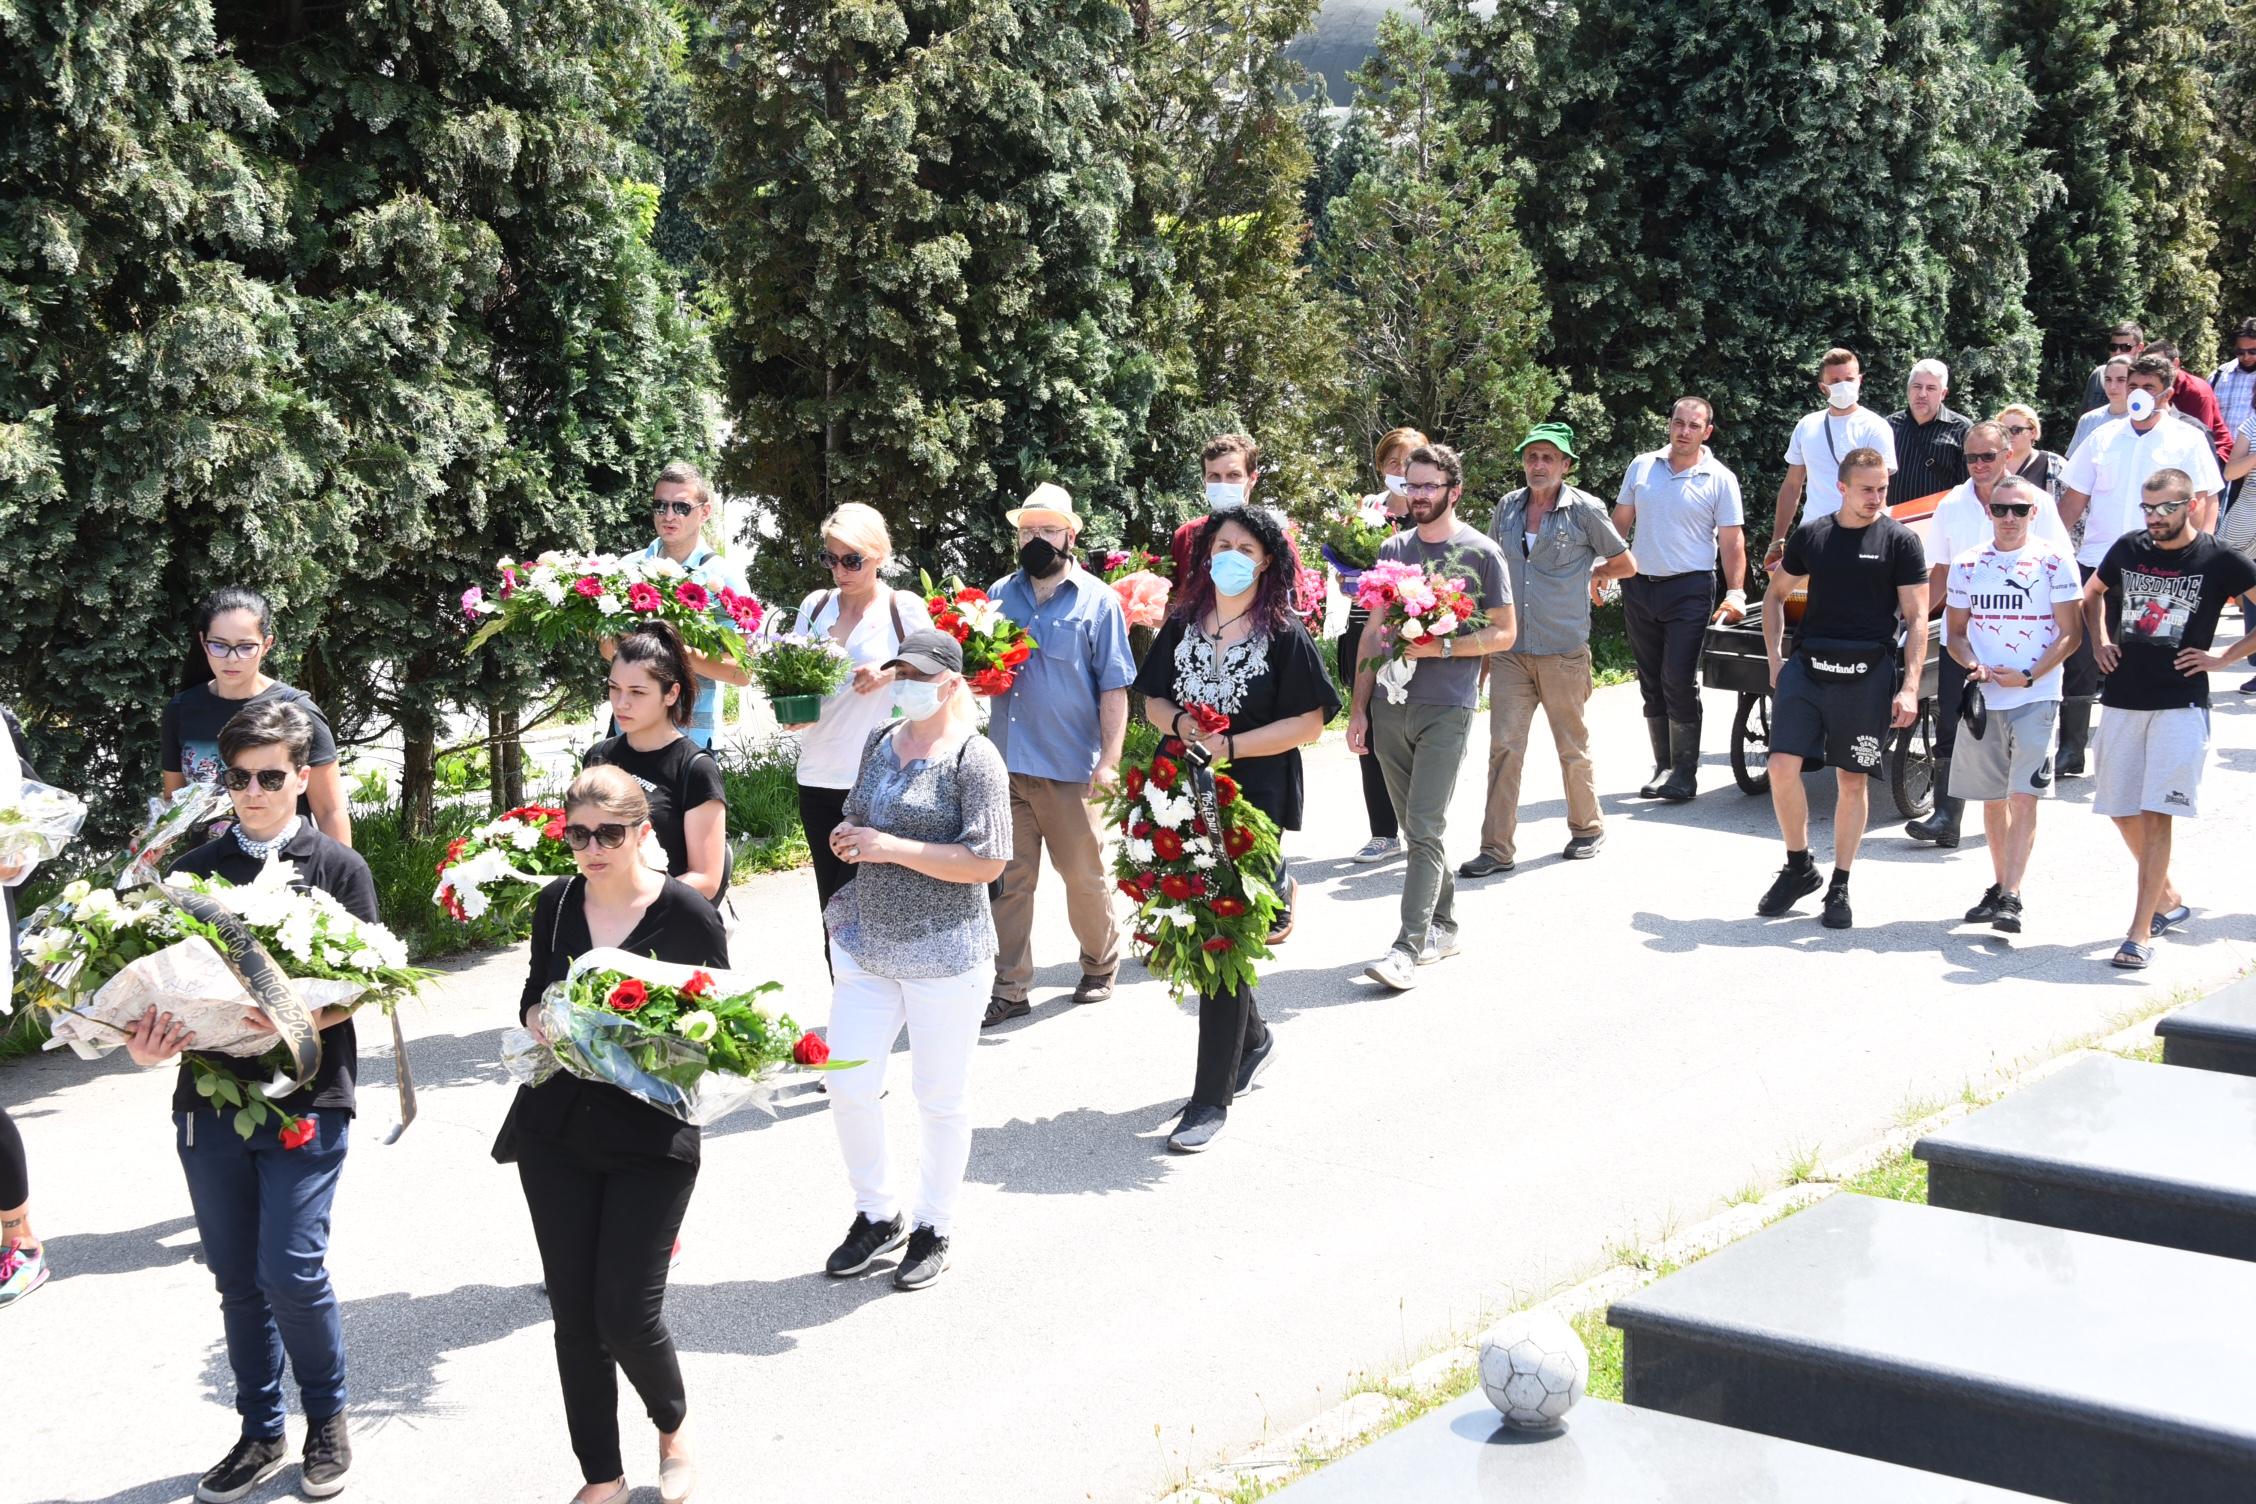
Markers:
point(1842, 724)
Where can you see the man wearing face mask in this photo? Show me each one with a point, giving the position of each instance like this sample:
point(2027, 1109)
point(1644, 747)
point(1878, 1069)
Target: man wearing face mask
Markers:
point(1059, 727)
point(1930, 438)
point(1231, 464)
point(2103, 484)
point(1821, 441)
point(2194, 397)
point(1558, 547)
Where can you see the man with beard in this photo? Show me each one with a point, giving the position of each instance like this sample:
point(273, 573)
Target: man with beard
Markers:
point(2151, 611)
point(1059, 727)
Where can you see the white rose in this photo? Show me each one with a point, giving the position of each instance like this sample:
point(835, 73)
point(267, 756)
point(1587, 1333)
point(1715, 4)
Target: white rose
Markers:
point(1412, 629)
point(76, 892)
point(697, 1025)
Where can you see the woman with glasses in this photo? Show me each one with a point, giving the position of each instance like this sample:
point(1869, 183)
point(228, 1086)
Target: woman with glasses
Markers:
point(607, 1178)
point(651, 689)
point(262, 1202)
point(224, 675)
point(2023, 432)
point(681, 503)
point(869, 619)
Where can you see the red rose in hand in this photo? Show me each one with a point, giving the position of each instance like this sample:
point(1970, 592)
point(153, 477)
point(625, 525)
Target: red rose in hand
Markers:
point(934, 605)
point(645, 598)
point(627, 996)
point(1225, 789)
point(1227, 908)
point(1237, 842)
point(588, 585)
point(1219, 944)
point(991, 681)
point(1135, 782)
point(700, 984)
point(1209, 720)
point(298, 1132)
point(1164, 772)
point(692, 595)
point(810, 1050)
point(1167, 845)
point(1175, 886)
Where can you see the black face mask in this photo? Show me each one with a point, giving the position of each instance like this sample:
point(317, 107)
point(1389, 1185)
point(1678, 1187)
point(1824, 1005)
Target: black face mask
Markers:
point(1040, 558)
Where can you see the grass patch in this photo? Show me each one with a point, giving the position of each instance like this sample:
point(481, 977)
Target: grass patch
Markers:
point(1900, 1179)
point(1802, 1164)
point(1610, 660)
point(1604, 1344)
point(760, 782)
point(2150, 1052)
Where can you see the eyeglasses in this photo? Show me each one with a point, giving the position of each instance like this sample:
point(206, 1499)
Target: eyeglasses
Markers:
point(2011, 508)
point(672, 508)
point(1425, 488)
point(2015, 430)
point(830, 560)
point(1052, 534)
point(1981, 456)
point(2245, 352)
point(609, 837)
point(2161, 508)
point(269, 779)
point(225, 650)
point(2120, 348)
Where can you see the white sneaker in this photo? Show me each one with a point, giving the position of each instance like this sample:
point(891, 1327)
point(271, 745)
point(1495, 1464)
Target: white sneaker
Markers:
point(1396, 969)
point(1377, 849)
point(1441, 943)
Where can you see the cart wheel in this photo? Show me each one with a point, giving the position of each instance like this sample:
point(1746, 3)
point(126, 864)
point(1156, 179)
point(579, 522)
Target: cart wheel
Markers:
point(1911, 765)
point(1750, 744)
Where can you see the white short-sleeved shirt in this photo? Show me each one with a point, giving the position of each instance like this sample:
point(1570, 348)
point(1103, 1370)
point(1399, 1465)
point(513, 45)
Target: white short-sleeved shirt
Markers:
point(2112, 466)
point(830, 751)
point(1679, 512)
point(2009, 600)
point(1961, 523)
point(1821, 441)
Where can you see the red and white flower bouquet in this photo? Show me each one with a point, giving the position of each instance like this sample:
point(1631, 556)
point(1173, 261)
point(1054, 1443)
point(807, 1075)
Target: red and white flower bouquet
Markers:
point(1412, 605)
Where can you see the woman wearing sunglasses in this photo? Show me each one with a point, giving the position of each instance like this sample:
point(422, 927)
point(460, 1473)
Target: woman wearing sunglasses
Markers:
point(867, 618)
point(651, 689)
point(261, 1205)
point(225, 674)
point(607, 1178)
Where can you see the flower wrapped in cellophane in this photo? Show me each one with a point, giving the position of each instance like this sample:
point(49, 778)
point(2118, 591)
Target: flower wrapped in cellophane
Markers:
point(37, 823)
point(696, 1043)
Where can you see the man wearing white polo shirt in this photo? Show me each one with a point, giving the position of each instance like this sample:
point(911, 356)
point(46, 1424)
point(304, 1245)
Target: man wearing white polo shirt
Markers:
point(2103, 485)
point(1813, 456)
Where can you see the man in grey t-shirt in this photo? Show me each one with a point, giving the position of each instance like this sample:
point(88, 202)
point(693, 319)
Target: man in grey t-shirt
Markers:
point(1558, 547)
point(1420, 737)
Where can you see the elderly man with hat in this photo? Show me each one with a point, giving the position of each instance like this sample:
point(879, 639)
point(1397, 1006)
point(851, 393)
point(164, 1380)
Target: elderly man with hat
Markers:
point(1561, 547)
point(1059, 727)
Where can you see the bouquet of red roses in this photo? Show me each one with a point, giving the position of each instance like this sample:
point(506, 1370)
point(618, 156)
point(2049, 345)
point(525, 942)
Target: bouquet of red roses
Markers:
point(993, 645)
point(1194, 855)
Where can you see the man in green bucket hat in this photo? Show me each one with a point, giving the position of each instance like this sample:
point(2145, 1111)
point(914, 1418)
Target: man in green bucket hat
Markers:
point(1560, 547)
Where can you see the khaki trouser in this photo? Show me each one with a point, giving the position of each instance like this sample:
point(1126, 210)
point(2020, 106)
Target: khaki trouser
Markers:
point(1517, 684)
point(1045, 809)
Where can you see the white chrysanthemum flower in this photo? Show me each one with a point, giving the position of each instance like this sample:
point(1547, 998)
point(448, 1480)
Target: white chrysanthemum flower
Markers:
point(1139, 852)
point(550, 590)
point(1178, 915)
point(1202, 861)
point(474, 901)
point(608, 604)
point(525, 837)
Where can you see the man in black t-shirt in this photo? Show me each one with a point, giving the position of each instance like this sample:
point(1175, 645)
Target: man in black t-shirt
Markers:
point(2151, 612)
point(1835, 700)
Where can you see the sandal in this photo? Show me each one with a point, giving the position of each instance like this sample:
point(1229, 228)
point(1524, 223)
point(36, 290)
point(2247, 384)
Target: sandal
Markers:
point(2168, 919)
point(677, 1480)
point(1001, 1010)
point(2132, 956)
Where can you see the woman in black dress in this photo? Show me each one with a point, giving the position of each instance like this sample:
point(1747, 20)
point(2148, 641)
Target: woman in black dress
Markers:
point(607, 1178)
point(1233, 644)
point(653, 694)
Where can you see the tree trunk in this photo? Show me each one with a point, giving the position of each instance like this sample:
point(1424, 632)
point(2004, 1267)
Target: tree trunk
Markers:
point(418, 777)
point(508, 758)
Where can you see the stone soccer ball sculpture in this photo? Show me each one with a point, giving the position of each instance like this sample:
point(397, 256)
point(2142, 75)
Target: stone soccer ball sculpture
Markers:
point(1533, 1368)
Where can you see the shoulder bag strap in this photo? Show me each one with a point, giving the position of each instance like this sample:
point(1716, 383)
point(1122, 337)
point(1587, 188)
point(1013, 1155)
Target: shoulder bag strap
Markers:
point(893, 604)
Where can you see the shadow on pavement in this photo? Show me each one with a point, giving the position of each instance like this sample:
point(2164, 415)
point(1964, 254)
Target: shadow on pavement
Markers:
point(127, 1252)
point(171, 1490)
point(1077, 1152)
point(755, 1317)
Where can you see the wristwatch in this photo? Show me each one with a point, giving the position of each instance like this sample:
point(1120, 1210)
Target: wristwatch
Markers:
point(1448, 647)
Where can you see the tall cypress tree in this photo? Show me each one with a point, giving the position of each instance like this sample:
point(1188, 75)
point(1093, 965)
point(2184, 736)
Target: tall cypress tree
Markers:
point(2233, 204)
point(914, 214)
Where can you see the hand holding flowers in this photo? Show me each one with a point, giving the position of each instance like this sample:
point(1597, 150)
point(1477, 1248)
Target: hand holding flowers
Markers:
point(993, 645)
point(1415, 609)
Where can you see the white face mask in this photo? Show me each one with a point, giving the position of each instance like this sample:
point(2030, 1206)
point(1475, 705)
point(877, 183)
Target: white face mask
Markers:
point(2140, 403)
point(915, 699)
point(1222, 495)
point(1844, 393)
point(1395, 483)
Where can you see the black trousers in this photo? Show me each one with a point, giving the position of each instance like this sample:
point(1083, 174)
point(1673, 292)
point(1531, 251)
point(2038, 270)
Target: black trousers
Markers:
point(15, 1170)
point(1667, 619)
point(606, 1228)
point(821, 811)
point(1950, 694)
point(2080, 675)
point(1229, 1025)
point(1376, 804)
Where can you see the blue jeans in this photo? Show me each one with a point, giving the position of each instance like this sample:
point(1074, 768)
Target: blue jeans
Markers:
point(263, 1214)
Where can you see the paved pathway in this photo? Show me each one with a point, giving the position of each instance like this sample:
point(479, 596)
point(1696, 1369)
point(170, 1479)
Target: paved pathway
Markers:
point(1620, 1047)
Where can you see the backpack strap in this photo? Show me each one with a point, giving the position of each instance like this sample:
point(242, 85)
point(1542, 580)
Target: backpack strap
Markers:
point(893, 604)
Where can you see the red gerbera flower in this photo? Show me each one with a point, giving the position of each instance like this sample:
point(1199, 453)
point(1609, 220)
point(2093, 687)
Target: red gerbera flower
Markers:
point(588, 585)
point(1219, 944)
point(692, 595)
point(1167, 845)
point(1175, 886)
point(1227, 908)
point(644, 598)
point(1237, 842)
point(1164, 772)
point(1225, 789)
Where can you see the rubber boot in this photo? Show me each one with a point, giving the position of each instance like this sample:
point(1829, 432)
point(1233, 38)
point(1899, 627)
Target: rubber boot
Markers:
point(1684, 763)
point(2075, 737)
point(1657, 727)
point(1941, 824)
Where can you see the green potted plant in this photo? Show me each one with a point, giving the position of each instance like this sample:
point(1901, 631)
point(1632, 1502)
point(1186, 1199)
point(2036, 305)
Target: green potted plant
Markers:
point(798, 672)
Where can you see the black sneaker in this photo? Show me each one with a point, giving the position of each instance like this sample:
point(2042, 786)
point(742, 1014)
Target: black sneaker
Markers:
point(1582, 847)
point(253, 1460)
point(1987, 909)
point(865, 1240)
point(1837, 915)
point(328, 1455)
point(923, 1263)
point(1198, 1128)
point(1794, 883)
point(1254, 1062)
point(2007, 920)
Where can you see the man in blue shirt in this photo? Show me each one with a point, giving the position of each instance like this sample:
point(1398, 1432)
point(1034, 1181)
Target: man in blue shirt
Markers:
point(1059, 727)
point(680, 503)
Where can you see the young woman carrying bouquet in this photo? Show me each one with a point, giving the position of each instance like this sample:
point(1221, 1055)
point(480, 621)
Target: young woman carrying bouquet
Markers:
point(1234, 674)
point(608, 1178)
point(23, 1259)
point(652, 690)
point(262, 1201)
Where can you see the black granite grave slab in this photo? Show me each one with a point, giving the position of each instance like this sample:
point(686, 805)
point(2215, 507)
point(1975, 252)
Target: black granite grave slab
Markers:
point(2111, 1146)
point(2063, 1364)
point(2217, 1033)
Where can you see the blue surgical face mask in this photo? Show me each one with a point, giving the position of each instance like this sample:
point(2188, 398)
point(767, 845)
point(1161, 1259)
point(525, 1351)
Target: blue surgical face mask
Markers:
point(1222, 495)
point(915, 699)
point(1233, 572)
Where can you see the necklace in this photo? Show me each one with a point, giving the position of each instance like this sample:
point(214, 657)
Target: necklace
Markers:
point(1221, 626)
point(261, 850)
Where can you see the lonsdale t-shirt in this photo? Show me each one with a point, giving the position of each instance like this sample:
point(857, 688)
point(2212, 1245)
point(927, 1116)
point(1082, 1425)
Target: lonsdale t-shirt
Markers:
point(2161, 601)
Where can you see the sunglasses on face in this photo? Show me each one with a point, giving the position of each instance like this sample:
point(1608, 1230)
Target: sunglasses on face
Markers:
point(2010, 508)
point(1981, 456)
point(2120, 349)
point(672, 508)
point(233, 649)
point(609, 837)
point(2161, 508)
point(269, 779)
point(2015, 430)
point(830, 560)
point(2245, 352)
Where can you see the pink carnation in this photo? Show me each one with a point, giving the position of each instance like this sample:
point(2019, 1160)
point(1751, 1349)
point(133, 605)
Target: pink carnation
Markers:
point(1143, 598)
